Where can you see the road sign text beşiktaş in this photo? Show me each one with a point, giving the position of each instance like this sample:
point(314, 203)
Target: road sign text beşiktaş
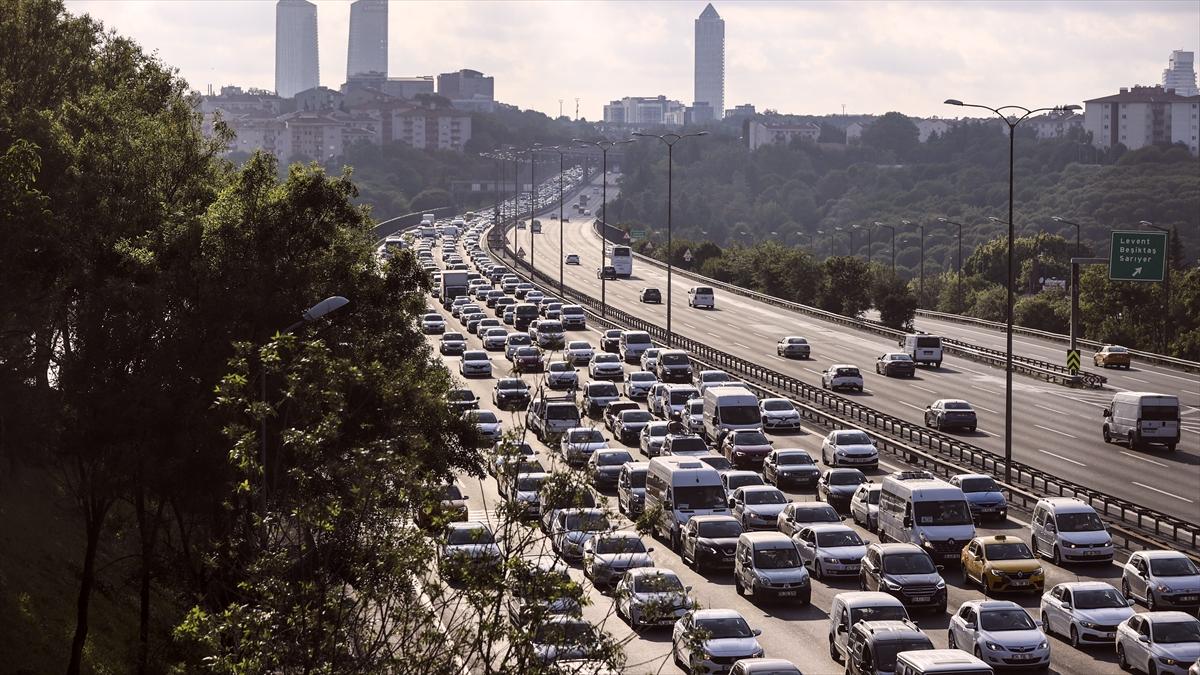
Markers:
point(1137, 256)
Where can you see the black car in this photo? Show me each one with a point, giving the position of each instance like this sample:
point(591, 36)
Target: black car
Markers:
point(837, 486)
point(896, 365)
point(462, 399)
point(528, 359)
point(607, 272)
point(650, 295)
point(611, 341)
point(674, 366)
point(709, 541)
point(790, 467)
point(510, 391)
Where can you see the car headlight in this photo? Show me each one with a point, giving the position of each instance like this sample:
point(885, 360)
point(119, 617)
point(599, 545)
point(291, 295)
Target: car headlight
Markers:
point(1088, 624)
point(763, 580)
point(1071, 545)
point(996, 573)
point(993, 646)
point(829, 561)
point(1043, 645)
point(891, 585)
point(941, 584)
point(1039, 572)
point(1169, 661)
point(1163, 588)
point(758, 654)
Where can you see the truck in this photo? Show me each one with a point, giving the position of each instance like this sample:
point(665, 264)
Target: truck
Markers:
point(454, 284)
point(583, 200)
point(729, 408)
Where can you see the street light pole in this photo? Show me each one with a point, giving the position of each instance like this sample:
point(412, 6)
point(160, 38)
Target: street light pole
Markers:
point(1012, 123)
point(669, 140)
point(532, 202)
point(893, 231)
point(605, 146)
point(869, 242)
point(1074, 281)
point(561, 254)
point(1166, 333)
point(959, 273)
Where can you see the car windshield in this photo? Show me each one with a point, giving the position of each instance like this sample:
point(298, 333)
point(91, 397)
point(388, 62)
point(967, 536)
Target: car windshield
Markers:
point(717, 462)
point(642, 376)
point(1174, 632)
point(703, 290)
point(764, 497)
point(585, 436)
point(451, 493)
point(981, 484)
point(696, 408)
point(602, 389)
point(636, 416)
point(496, 332)
point(608, 545)
point(847, 372)
point(562, 411)
point(1079, 522)
point(637, 338)
point(453, 337)
point(1099, 598)
point(853, 438)
point(750, 438)
point(886, 651)
point(530, 483)
point(942, 512)
point(714, 376)
point(1016, 550)
point(561, 367)
point(899, 357)
point(731, 627)
point(550, 327)
point(695, 497)
point(461, 395)
point(469, 535)
point(607, 358)
point(656, 430)
point(777, 405)
point(577, 345)
point(1172, 567)
point(432, 317)
point(793, 458)
point(1005, 619)
point(528, 351)
point(673, 359)
point(688, 444)
point(637, 479)
point(873, 496)
point(1115, 350)
point(956, 405)
point(657, 583)
point(511, 384)
point(613, 458)
point(682, 396)
point(587, 522)
point(719, 529)
point(884, 613)
point(475, 356)
point(484, 417)
point(797, 341)
point(518, 339)
point(908, 563)
point(572, 310)
point(835, 539)
point(776, 558)
point(564, 633)
point(741, 480)
point(846, 478)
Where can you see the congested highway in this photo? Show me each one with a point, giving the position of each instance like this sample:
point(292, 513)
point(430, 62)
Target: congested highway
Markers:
point(1056, 429)
point(797, 632)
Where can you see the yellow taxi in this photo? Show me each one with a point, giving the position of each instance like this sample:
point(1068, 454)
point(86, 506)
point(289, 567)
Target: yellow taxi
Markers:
point(1111, 356)
point(1001, 563)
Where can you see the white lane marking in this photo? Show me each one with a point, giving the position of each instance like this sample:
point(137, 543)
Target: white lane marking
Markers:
point(715, 335)
point(1055, 431)
point(917, 386)
point(1065, 459)
point(1137, 380)
point(986, 409)
point(990, 391)
point(911, 406)
point(738, 344)
point(1144, 459)
point(1162, 492)
point(814, 372)
point(1046, 407)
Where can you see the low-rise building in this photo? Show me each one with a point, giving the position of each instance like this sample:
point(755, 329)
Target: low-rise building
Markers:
point(760, 133)
point(1139, 116)
point(645, 110)
point(1054, 124)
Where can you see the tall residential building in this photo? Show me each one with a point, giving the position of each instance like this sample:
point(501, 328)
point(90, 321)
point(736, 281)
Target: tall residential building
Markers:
point(710, 60)
point(296, 65)
point(1180, 74)
point(1140, 116)
point(368, 50)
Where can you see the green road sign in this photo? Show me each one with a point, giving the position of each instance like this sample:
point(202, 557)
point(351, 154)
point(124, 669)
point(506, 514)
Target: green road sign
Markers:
point(637, 234)
point(1073, 361)
point(1137, 256)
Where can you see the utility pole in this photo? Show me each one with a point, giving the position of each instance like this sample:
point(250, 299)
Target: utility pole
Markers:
point(577, 107)
point(560, 107)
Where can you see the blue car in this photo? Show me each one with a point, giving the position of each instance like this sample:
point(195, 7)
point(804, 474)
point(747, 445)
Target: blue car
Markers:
point(983, 496)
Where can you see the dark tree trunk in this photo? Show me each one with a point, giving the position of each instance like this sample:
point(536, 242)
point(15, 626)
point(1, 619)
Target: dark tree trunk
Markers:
point(95, 517)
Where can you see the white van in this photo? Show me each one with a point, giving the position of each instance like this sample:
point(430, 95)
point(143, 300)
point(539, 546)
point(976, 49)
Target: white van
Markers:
point(701, 296)
point(940, 662)
point(729, 408)
point(1141, 418)
point(923, 348)
point(930, 513)
point(632, 344)
point(850, 607)
point(682, 487)
point(1065, 529)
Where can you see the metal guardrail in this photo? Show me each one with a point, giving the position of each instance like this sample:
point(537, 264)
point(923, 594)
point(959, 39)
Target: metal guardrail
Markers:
point(829, 409)
point(1051, 372)
point(1149, 357)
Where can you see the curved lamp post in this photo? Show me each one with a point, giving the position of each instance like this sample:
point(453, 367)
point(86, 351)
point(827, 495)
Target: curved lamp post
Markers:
point(605, 146)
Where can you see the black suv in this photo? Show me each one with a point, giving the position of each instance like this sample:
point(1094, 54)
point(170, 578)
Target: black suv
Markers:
point(906, 572)
point(674, 366)
point(607, 272)
point(510, 392)
point(650, 295)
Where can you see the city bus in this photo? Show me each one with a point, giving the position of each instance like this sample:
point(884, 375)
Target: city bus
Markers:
point(621, 258)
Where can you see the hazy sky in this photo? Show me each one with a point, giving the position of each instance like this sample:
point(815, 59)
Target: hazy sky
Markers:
point(798, 57)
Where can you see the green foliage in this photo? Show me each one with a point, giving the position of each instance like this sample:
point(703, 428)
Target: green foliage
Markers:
point(893, 133)
point(846, 286)
point(893, 298)
point(1049, 310)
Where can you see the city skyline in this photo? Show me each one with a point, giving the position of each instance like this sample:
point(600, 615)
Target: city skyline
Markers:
point(812, 58)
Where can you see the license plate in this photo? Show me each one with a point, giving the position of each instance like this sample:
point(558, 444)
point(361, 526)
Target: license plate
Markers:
point(1020, 582)
point(1110, 636)
point(923, 598)
point(786, 594)
point(1094, 553)
point(1022, 657)
point(1189, 598)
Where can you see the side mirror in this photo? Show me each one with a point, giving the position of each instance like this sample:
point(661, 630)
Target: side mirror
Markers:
point(908, 522)
point(940, 568)
point(1143, 638)
point(757, 632)
point(1106, 412)
point(1067, 605)
point(841, 628)
point(687, 589)
point(971, 625)
point(466, 497)
point(1130, 602)
point(650, 550)
point(1050, 527)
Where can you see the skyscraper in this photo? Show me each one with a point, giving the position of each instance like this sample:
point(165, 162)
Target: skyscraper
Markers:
point(296, 65)
point(710, 60)
point(368, 49)
point(1180, 74)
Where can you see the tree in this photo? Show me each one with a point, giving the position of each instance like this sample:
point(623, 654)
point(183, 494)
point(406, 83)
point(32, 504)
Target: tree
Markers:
point(894, 299)
point(846, 288)
point(433, 198)
point(1049, 311)
point(895, 133)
